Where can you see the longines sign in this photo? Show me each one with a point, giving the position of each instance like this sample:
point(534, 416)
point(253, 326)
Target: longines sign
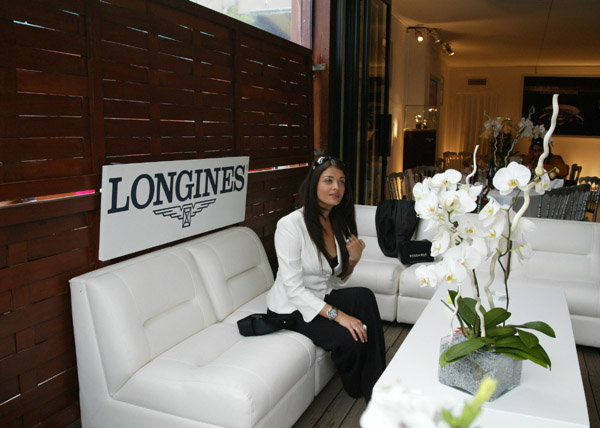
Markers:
point(148, 204)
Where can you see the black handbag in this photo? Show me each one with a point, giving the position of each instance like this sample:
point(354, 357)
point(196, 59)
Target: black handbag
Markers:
point(259, 324)
point(412, 252)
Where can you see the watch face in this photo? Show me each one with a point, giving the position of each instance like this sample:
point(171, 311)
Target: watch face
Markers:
point(332, 313)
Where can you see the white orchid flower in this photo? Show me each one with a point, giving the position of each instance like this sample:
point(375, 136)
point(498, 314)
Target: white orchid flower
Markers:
point(520, 228)
point(451, 270)
point(440, 243)
point(392, 406)
point(494, 232)
point(473, 190)
point(542, 184)
point(488, 213)
point(524, 251)
point(468, 229)
point(457, 201)
point(468, 256)
point(447, 179)
point(421, 189)
point(538, 131)
point(511, 177)
point(427, 206)
point(479, 244)
point(428, 275)
point(526, 127)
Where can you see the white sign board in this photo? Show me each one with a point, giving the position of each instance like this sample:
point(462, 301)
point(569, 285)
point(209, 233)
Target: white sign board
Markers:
point(148, 204)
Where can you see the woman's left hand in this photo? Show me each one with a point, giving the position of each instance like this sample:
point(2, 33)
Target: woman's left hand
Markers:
point(355, 248)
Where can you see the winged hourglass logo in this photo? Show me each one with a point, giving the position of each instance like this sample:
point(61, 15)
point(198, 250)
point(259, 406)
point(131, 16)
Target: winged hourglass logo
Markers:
point(184, 212)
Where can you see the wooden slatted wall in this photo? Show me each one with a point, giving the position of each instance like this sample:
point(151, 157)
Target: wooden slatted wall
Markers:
point(85, 83)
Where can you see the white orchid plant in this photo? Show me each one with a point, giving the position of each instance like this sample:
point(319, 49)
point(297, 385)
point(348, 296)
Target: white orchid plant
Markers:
point(503, 135)
point(393, 406)
point(462, 245)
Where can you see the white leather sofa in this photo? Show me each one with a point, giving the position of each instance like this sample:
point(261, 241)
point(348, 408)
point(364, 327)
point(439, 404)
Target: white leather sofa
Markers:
point(566, 254)
point(158, 345)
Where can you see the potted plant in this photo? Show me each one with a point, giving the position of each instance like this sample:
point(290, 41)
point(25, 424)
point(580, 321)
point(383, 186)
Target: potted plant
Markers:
point(461, 245)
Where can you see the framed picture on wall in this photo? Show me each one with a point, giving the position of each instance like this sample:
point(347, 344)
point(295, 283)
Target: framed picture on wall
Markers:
point(578, 99)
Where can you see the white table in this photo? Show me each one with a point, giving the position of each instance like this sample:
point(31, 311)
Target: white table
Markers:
point(544, 399)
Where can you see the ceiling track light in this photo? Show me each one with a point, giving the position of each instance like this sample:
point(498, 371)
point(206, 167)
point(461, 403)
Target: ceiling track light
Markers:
point(421, 32)
point(447, 49)
point(419, 35)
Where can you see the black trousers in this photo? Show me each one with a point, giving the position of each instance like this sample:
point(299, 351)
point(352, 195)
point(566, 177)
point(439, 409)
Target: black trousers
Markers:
point(359, 364)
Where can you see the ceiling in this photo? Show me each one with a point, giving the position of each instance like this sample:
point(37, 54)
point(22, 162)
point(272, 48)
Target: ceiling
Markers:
point(510, 32)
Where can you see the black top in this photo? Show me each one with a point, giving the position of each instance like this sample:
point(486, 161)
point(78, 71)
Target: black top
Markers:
point(333, 261)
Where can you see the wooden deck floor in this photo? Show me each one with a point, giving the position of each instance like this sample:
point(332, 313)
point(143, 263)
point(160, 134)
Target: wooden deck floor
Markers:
point(333, 408)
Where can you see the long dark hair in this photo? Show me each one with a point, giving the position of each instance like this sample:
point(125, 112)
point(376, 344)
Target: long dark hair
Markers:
point(342, 216)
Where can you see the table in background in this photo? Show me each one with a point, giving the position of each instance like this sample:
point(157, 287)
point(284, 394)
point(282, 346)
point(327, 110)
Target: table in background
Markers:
point(545, 398)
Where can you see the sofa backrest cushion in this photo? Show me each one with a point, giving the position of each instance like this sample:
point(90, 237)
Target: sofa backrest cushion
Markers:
point(234, 267)
point(141, 307)
point(367, 231)
point(562, 250)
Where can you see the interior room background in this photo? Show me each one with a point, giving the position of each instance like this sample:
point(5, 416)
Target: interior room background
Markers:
point(43, 245)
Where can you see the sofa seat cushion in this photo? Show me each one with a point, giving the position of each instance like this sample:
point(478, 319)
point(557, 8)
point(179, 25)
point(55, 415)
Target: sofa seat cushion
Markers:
point(324, 367)
point(380, 276)
point(221, 378)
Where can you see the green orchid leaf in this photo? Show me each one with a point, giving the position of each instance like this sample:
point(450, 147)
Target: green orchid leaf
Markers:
point(453, 294)
point(460, 350)
point(529, 339)
point(511, 353)
point(540, 326)
point(466, 310)
point(495, 316)
point(521, 355)
point(501, 332)
point(544, 355)
point(514, 343)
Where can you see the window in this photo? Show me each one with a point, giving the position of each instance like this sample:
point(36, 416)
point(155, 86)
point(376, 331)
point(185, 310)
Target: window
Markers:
point(289, 19)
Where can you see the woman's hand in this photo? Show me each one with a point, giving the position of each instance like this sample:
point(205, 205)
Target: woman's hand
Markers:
point(357, 329)
point(355, 248)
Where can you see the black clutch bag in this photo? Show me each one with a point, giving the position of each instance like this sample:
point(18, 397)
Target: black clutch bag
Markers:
point(412, 252)
point(259, 324)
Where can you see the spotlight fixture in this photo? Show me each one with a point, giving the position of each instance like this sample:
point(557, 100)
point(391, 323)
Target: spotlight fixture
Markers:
point(419, 35)
point(421, 32)
point(447, 49)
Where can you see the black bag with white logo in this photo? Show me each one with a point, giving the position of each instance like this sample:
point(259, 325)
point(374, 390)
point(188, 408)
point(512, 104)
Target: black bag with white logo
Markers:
point(259, 324)
point(396, 222)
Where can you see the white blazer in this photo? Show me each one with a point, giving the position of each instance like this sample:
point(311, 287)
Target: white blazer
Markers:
point(304, 276)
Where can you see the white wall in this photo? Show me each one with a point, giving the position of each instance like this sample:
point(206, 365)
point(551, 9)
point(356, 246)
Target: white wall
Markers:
point(412, 65)
point(398, 80)
point(506, 83)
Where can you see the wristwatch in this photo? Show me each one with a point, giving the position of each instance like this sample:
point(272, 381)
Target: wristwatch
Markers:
point(332, 313)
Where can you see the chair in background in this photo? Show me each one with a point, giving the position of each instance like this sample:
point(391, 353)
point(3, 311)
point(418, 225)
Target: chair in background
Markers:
point(426, 171)
point(573, 175)
point(553, 204)
point(465, 160)
point(451, 161)
point(396, 185)
point(592, 204)
point(410, 179)
point(577, 203)
point(416, 175)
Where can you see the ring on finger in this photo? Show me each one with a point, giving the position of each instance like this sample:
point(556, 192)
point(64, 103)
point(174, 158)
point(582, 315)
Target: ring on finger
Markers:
point(364, 327)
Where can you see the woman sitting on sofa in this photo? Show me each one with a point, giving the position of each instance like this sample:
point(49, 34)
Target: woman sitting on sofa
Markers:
point(317, 250)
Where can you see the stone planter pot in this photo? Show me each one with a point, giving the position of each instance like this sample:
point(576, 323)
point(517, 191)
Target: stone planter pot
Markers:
point(467, 373)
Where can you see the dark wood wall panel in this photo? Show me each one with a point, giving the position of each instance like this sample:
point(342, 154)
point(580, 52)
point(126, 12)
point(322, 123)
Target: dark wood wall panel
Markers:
point(85, 83)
